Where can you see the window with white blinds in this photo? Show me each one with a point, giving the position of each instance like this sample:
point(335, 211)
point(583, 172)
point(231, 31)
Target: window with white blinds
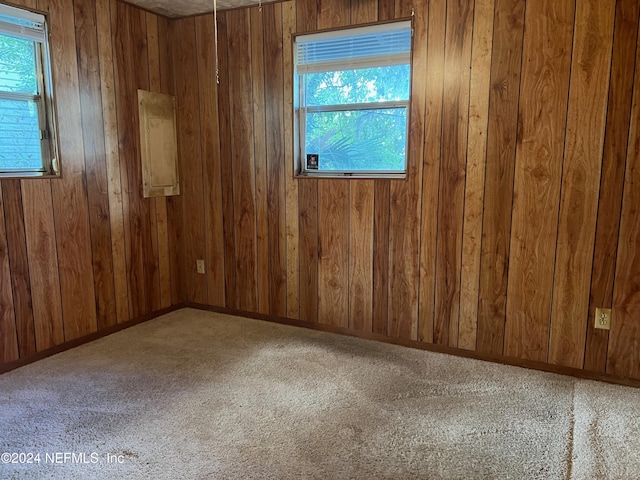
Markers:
point(28, 145)
point(351, 100)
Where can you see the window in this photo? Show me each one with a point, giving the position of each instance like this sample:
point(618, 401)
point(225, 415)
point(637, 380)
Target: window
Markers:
point(28, 145)
point(351, 101)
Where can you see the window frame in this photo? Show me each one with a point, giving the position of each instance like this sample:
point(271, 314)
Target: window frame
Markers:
point(299, 112)
point(44, 98)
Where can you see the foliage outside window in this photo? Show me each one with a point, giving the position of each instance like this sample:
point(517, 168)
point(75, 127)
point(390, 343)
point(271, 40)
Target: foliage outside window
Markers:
point(351, 100)
point(28, 145)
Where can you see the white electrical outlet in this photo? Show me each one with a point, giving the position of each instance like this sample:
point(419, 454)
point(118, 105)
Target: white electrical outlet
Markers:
point(200, 266)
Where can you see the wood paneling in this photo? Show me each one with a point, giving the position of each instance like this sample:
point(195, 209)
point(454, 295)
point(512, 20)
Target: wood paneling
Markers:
point(540, 146)
point(506, 65)
point(405, 208)
point(307, 20)
point(623, 357)
point(65, 270)
point(453, 166)
point(476, 165)
point(485, 235)
point(431, 167)
point(588, 94)
point(504, 213)
point(612, 182)
point(240, 89)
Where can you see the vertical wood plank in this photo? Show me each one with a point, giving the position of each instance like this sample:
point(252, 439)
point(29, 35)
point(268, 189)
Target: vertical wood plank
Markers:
point(226, 167)
point(381, 214)
point(405, 210)
point(291, 185)
point(431, 167)
point(276, 193)
point(189, 148)
point(241, 123)
point(110, 129)
point(361, 219)
point(260, 149)
point(455, 120)
point(306, 20)
point(361, 255)
point(386, 9)
point(8, 334)
point(586, 119)
point(174, 204)
point(612, 182)
point(95, 161)
point(333, 213)
point(623, 357)
point(480, 84)
point(209, 135)
point(43, 263)
point(543, 110)
point(19, 266)
point(159, 224)
point(333, 275)
point(506, 67)
point(69, 192)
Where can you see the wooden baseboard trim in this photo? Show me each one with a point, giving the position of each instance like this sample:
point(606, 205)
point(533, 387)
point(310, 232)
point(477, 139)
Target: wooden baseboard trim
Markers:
point(517, 362)
point(7, 367)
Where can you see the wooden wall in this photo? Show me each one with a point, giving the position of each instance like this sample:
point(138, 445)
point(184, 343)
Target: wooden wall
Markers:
point(85, 252)
point(520, 211)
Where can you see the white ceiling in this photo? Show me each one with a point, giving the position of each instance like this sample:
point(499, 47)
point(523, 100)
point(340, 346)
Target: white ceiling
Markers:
point(182, 8)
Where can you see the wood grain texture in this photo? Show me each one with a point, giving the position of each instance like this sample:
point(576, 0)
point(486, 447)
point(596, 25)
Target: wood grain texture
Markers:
point(612, 182)
point(307, 20)
point(588, 94)
point(43, 263)
point(623, 357)
point(69, 192)
point(226, 168)
point(405, 210)
point(8, 334)
point(386, 9)
point(543, 112)
point(189, 147)
point(291, 185)
point(431, 167)
point(19, 266)
point(504, 97)
point(333, 267)
point(333, 212)
point(209, 135)
point(381, 218)
point(174, 204)
point(276, 193)
point(240, 88)
point(361, 255)
point(455, 120)
point(480, 84)
point(93, 142)
point(361, 219)
point(160, 221)
point(112, 155)
point(260, 155)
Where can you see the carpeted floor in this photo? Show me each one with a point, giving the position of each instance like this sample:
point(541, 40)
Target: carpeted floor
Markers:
point(201, 395)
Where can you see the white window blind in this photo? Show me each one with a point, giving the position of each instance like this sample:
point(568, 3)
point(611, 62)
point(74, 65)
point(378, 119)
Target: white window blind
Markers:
point(362, 47)
point(20, 23)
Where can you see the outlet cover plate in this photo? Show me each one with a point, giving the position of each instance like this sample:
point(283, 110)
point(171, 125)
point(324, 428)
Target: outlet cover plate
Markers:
point(200, 266)
point(603, 318)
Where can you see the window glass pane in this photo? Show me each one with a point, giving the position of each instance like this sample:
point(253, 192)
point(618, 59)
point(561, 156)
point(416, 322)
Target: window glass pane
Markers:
point(19, 135)
point(17, 65)
point(365, 85)
point(373, 139)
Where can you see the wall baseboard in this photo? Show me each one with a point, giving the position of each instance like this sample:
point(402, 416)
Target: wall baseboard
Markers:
point(517, 362)
point(7, 367)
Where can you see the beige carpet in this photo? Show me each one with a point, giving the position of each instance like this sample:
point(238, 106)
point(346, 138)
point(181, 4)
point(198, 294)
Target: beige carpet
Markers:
point(200, 395)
